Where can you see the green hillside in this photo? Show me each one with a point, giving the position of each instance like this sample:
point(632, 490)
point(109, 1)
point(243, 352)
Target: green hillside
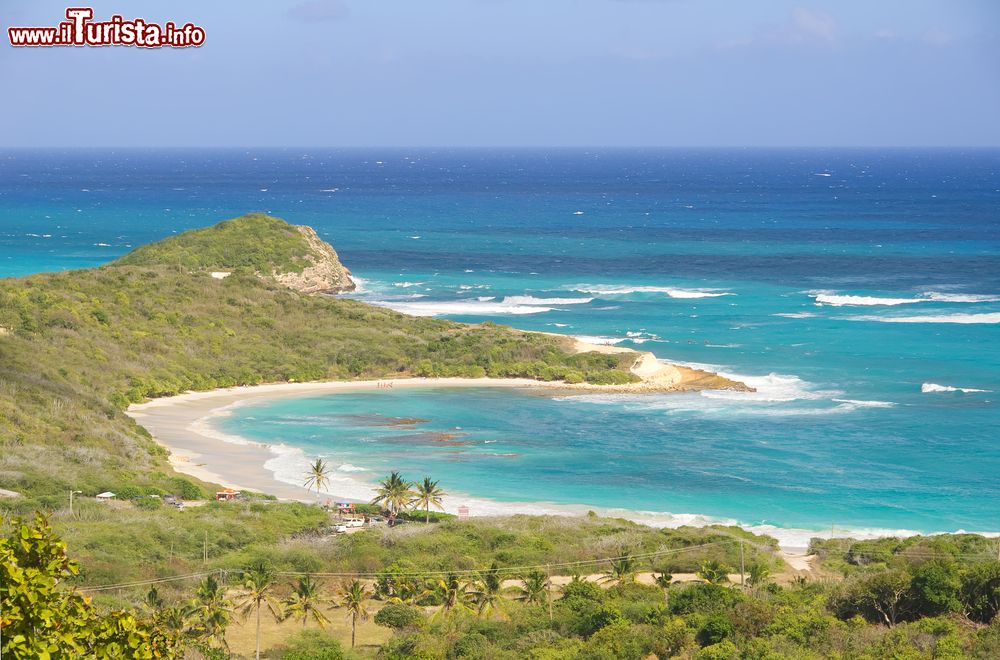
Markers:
point(256, 242)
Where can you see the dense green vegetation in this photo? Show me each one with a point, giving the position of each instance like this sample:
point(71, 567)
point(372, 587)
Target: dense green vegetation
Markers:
point(624, 608)
point(77, 347)
point(255, 242)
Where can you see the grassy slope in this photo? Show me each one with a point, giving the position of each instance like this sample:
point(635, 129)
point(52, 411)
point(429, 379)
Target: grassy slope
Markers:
point(255, 242)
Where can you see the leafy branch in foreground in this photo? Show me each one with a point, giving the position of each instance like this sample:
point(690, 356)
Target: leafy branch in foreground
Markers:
point(40, 616)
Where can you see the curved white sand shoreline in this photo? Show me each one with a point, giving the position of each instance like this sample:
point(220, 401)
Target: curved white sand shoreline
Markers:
point(183, 425)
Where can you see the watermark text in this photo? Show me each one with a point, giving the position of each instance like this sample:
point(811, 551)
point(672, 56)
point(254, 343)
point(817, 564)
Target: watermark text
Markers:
point(80, 29)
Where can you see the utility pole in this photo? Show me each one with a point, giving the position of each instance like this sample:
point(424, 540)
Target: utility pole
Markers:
point(205, 550)
point(742, 566)
point(71, 494)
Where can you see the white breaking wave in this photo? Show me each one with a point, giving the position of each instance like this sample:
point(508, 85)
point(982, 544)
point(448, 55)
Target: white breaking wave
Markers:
point(600, 341)
point(796, 315)
point(359, 284)
point(673, 292)
point(928, 388)
point(531, 300)
point(466, 307)
point(347, 467)
point(865, 404)
point(773, 388)
point(841, 301)
point(989, 317)
point(824, 298)
point(407, 285)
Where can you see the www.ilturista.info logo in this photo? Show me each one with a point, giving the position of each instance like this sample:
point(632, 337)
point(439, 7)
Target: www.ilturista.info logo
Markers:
point(80, 30)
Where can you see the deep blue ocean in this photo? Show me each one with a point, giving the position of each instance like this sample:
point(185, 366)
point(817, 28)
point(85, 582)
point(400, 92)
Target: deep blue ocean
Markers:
point(858, 290)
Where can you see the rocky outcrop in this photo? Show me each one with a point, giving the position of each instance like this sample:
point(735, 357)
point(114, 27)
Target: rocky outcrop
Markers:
point(324, 274)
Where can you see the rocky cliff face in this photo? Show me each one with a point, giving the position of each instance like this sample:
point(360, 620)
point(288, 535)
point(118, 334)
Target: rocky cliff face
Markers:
point(324, 274)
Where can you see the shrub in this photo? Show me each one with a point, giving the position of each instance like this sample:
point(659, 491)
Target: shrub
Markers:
point(398, 616)
point(312, 645)
point(186, 489)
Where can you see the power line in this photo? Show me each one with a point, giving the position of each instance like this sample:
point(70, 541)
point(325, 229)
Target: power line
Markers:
point(514, 569)
point(419, 574)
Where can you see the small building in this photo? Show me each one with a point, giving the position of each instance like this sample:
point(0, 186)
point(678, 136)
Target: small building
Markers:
point(227, 495)
point(463, 512)
point(106, 496)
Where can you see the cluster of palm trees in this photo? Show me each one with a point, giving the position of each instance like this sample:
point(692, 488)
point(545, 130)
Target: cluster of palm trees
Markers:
point(397, 494)
point(484, 593)
point(394, 492)
point(206, 616)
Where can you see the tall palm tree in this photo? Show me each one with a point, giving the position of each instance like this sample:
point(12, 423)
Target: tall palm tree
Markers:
point(211, 610)
point(426, 495)
point(257, 592)
point(453, 594)
point(318, 476)
point(393, 492)
point(622, 570)
point(487, 591)
point(304, 602)
point(534, 588)
point(714, 572)
point(354, 595)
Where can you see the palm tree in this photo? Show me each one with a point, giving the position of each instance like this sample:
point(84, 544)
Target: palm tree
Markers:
point(760, 574)
point(487, 591)
point(393, 492)
point(354, 595)
point(534, 589)
point(304, 602)
point(714, 572)
point(211, 609)
point(258, 585)
point(174, 619)
point(318, 476)
point(454, 596)
point(622, 570)
point(428, 494)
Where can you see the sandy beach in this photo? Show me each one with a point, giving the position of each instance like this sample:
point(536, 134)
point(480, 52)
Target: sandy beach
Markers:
point(180, 424)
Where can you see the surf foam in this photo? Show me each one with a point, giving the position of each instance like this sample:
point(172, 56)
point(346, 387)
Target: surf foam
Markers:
point(672, 292)
point(928, 388)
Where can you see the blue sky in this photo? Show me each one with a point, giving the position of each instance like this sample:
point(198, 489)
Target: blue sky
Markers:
point(517, 73)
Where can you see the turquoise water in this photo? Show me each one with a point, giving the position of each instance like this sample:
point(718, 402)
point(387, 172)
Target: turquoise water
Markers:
point(859, 291)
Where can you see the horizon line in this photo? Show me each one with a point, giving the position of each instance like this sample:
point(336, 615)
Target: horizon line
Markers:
point(511, 147)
